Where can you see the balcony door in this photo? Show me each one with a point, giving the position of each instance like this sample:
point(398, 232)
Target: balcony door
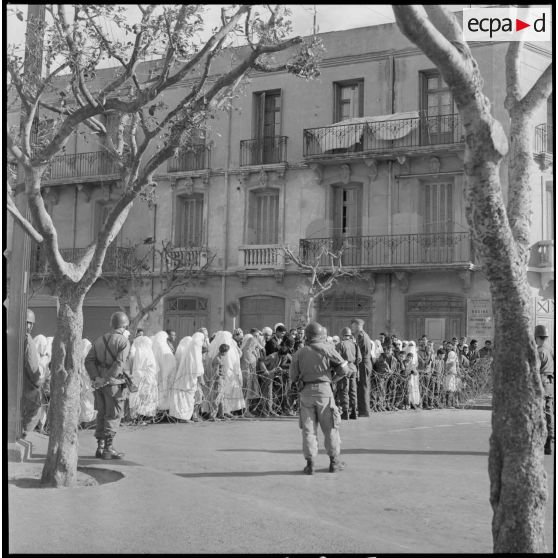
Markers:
point(347, 222)
point(267, 127)
point(438, 107)
point(438, 222)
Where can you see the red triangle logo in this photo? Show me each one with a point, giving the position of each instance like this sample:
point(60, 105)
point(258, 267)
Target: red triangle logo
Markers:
point(519, 25)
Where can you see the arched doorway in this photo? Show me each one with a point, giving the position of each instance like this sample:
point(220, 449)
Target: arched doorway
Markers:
point(260, 311)
point(439, 316)
point(337, 310)
point(186, 314)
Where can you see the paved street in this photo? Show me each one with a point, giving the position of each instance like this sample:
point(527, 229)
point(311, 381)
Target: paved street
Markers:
point(415, 482)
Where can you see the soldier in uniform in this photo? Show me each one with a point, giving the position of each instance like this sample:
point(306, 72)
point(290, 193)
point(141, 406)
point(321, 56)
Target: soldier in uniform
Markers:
point(105, 365)
point(347, 386)
point(312, 368)
point(547, 376)
point(33, 396)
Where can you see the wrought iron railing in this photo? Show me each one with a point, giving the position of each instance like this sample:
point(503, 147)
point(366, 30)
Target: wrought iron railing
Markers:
point(96, 163)
point(390, 250)
point(117, 258)
point(260, 256)
point(378, 136)
point(194, 158)
point(187, 258)
point(263, 151)
point(545, 253)
point(544, 139)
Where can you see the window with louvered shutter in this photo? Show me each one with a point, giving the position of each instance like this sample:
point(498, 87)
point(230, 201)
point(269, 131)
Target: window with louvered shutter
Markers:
point(438, 207)
point(191, 221)
point(264, 217)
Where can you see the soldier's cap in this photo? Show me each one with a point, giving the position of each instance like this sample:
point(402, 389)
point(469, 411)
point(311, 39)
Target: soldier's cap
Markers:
point(223, 348)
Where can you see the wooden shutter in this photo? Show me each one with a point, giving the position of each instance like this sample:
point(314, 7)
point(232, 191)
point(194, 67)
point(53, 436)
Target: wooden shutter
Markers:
point(264, 213)
point(191, 221)
point(438, 207)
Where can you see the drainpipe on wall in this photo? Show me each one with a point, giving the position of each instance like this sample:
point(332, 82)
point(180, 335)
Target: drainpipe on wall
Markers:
point(154, 245)
point(390, 229)
point(226, 223)
point(75, 218)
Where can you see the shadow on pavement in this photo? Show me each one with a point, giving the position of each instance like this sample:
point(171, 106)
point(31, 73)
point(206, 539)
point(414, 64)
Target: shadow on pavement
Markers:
point(357, 451)
point(237, 474)
point(85, 460)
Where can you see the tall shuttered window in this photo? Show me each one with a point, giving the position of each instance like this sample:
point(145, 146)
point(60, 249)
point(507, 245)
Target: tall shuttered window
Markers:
point(190, 225)
point(438, 207)
point(348, 100)
point(264, 217)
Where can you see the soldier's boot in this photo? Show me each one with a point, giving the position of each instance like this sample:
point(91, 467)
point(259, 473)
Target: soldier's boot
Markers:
point(100, 447)
point(548, 446)
point(335, 464)
point(309, 469)
point(109, 451)
point(345, 415)
point(353, 415)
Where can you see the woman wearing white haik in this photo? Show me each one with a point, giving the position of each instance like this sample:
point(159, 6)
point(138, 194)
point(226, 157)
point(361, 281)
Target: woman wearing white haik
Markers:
point(185, 384)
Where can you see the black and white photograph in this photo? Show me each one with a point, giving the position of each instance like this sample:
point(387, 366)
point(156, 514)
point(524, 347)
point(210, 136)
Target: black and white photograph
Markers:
point(279, 279)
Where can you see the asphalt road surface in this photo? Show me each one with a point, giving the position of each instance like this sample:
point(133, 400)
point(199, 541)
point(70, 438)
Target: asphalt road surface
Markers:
point(415, 482)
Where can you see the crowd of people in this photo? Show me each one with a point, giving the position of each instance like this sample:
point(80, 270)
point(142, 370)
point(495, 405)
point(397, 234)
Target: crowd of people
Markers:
point(228, 375)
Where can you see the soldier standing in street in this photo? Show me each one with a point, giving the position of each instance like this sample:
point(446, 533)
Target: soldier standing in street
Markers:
point(364, 368)
point(547, 376)
point(312, 367)
point(347, 386)
point(105, 365)
point(32, 397)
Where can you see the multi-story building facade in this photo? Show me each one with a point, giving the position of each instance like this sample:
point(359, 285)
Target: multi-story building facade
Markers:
point(369, 156)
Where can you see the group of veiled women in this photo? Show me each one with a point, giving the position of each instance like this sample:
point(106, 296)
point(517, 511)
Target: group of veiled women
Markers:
point(178, 383)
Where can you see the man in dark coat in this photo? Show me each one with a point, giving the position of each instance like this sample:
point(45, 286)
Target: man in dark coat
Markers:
point(547, 376)
point(347, 386)
point(364, 368)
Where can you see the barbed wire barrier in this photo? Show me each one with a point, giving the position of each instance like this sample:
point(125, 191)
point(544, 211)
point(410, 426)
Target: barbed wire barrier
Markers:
point(273, 395)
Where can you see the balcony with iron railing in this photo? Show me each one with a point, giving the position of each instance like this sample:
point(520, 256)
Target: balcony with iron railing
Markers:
point(263, 151)
point(193, 258)
point(391, 251)
point(81, 165)
point(195, 158)
point(386, 134)
point(117, 259)
point(260, 256)
point(544, 146)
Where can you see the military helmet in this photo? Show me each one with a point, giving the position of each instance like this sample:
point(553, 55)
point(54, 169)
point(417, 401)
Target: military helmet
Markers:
point(30, 316)
point(118, 320)
point(346, 331)
point(313, 331)
point(541, 331)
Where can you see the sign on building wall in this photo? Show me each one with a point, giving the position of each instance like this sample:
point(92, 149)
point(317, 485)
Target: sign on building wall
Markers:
point(480, 322)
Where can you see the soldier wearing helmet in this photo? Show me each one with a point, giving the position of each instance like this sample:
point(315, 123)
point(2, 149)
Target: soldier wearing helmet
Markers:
point(347, 386)
point(546, 370)
point(32, 397)
point(316, 366)
point(105, 363)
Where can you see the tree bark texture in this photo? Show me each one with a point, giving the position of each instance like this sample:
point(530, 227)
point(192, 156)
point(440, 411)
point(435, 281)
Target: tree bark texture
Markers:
point(518, 490)
point(60, 468)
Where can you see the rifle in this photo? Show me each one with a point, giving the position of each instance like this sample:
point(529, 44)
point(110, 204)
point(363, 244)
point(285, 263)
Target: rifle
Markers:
point(132, 388)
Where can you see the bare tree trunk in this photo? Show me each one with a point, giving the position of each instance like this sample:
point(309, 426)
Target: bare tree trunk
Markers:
point(309, 308)
point(60, 467)
point(518, 490)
